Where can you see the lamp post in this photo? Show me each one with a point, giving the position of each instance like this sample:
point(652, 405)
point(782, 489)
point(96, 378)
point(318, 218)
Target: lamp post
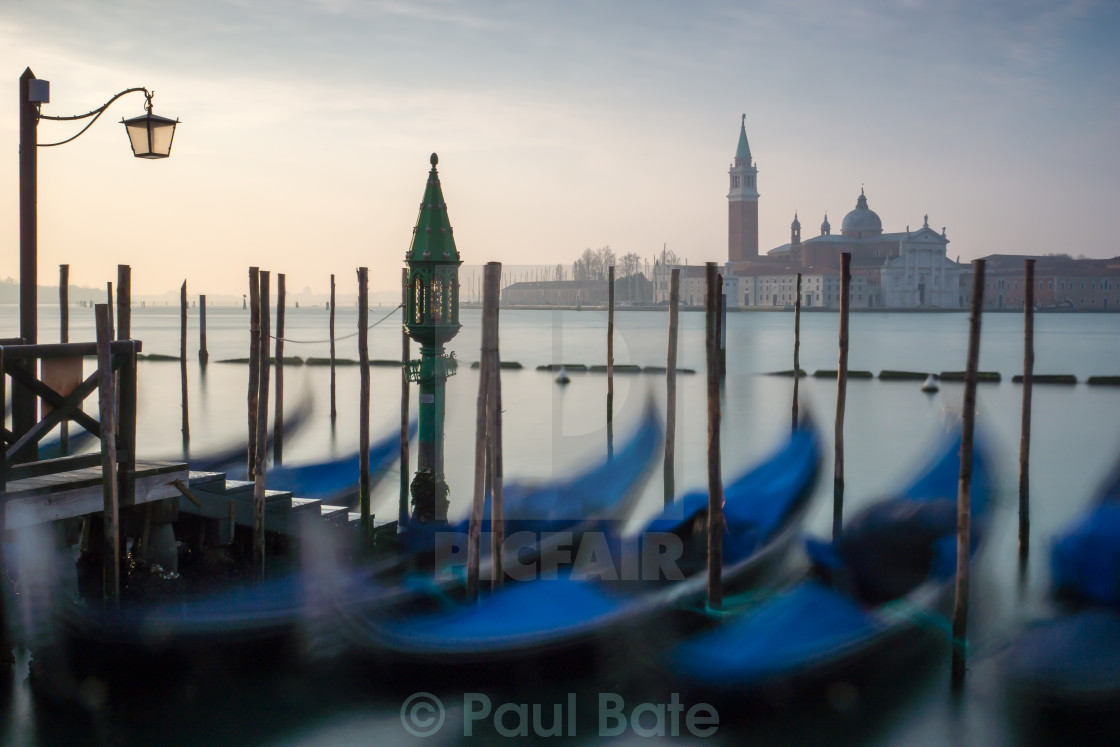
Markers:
point(431, 318)
point(151, 137)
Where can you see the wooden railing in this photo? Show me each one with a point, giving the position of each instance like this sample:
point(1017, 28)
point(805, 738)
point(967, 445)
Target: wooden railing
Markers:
point(18, 455)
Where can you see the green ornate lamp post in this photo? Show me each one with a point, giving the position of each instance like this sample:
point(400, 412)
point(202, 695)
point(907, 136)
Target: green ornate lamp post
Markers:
point(431, 318)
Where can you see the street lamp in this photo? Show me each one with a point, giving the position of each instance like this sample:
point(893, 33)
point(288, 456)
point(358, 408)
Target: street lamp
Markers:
point(432, 318)
point(150, 136)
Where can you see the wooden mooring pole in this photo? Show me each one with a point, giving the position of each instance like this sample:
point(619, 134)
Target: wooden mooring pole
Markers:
point(124, 302)
point(490, 290)
point(278, 417)
point(610, 362)
point(203, 355)
point(366, 520)
point(109, 303)
point(259, 478)
point(715, 482)
point(63, 337)
point(111, 573)
point(402, 508)
point(1025, 431)
point(796, 348)
point(964, 487)
point(671, 387)
point(494, 432)
point(334, 410)
point(254, 362)
point(183, 366)
point(841, 398)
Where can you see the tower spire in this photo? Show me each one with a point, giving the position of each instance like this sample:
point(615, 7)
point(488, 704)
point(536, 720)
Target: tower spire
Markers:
point(743, 152)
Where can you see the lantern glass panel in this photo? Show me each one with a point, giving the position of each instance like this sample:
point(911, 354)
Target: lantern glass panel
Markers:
point(162, 134)
point(417, 301)
point(437, 301)
point(138, 136)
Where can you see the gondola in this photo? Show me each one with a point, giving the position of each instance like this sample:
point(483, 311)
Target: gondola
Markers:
point(1071, 662)
point(334, 480)
point(601, 602)
point(889, 573)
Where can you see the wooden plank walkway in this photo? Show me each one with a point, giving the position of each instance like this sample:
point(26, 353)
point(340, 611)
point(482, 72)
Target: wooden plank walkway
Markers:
point(64, 495)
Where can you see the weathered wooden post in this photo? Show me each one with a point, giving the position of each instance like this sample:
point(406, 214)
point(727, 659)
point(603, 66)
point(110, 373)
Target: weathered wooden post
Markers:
point(964, 488)
point(203, 355)
point(1025, 432)
point(722, 329)
point(111, 578)
point(254, 362)
point(494, 429)
point(841, 398)
point(183, 365)
point(671, 387)
point(109, 303)
point(406, 354)
point(334, 410)
point(259, 480)
point(6, 657)
point(366, 520)
point(715, 481)
point(490, 290)
point(124, 302)
point(796, 348)
point(610, 362)
point(63, 337)
point(278, 417)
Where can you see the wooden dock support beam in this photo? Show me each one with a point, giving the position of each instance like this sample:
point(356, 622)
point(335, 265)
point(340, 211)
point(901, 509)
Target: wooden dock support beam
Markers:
point(841, 397)
point(796, 348)
point(671, 387)
point(610, 362)
point(63, 337)
point(111, 574)
point(124, 302)
point(964, 487)
point(366, 520)
point(278, 418)
point(259, 479)
point(254, 362)
point(402, 509)
point(1025, 430)
point(715, 481)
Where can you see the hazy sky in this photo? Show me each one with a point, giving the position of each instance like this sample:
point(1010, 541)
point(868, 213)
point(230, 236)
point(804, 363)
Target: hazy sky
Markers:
point(307, 128)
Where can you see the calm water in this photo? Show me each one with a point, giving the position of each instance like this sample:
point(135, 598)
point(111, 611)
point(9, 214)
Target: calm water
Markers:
point(551, 430)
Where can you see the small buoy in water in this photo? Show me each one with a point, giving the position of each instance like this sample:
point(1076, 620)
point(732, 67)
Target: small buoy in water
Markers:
point(562, 377)
point(930, 384)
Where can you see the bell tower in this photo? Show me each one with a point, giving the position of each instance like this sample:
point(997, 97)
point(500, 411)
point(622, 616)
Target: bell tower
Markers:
point(742, 203)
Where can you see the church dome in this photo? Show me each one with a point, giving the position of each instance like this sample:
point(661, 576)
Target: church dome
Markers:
point(863, 221)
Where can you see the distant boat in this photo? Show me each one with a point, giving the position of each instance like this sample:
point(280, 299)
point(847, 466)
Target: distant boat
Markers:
point(892, 568)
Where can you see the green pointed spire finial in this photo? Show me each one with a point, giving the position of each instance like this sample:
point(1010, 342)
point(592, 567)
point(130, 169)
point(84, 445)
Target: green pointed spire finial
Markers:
point(434, 159)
